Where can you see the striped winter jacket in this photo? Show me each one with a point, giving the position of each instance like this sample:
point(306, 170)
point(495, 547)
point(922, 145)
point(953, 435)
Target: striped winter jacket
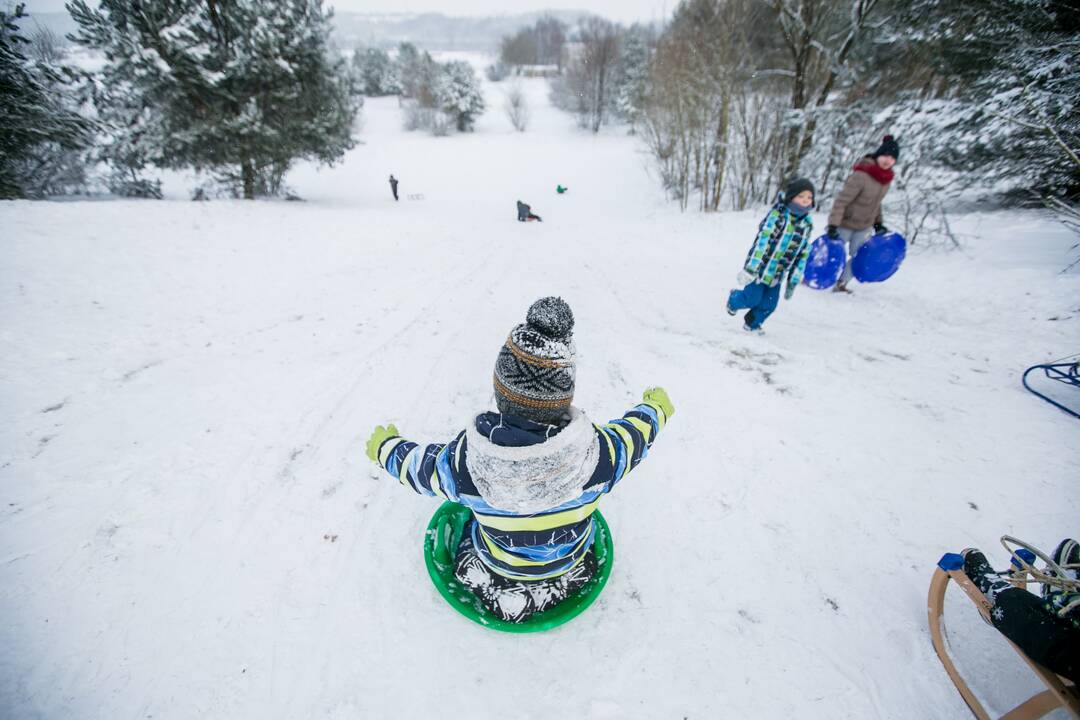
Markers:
point(532, 488)
point(783, 244)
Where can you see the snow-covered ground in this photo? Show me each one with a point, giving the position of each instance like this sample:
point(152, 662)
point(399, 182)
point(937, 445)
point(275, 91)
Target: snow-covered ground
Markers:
point(189, 527)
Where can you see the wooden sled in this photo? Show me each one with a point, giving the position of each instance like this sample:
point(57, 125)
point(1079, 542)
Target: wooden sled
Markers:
point(1059, 691)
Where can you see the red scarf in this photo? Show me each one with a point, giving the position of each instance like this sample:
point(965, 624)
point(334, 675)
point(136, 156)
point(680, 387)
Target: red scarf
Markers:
point(871, 168)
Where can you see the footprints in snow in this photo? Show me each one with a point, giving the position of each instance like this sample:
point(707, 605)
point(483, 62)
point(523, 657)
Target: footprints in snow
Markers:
point(762, 364)
point(883, 354)
point(749, 616)
point(132, 374)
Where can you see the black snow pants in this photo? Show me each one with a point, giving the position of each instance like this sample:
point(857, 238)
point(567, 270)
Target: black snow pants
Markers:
point(1050, 641)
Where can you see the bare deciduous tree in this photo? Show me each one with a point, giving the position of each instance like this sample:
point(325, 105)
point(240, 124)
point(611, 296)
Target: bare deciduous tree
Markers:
point(706, 121)
point(589, 70)
point(820, 36)
point(517, 107)
point(46, 47)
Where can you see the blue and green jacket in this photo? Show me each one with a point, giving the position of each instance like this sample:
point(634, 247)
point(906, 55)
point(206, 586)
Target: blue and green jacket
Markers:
point(532, 488)
point(782, 245)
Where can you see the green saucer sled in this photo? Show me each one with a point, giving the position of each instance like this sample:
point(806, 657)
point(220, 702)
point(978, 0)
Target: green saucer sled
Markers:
point(440, 548)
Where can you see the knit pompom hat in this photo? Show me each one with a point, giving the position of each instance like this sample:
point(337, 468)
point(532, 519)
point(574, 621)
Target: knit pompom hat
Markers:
point(534, 373)
point(889, 147)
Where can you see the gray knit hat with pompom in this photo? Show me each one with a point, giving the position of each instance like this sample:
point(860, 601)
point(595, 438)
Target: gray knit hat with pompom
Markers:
point(534, 374)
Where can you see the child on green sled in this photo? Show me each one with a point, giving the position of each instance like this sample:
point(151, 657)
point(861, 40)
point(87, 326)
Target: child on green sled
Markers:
point(782, 246)
point(532, 472)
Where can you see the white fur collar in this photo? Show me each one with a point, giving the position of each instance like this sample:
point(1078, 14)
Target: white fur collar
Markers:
point(535, 478)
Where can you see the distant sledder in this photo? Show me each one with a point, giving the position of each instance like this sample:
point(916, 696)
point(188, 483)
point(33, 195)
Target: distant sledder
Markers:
point(525, 213)
point(532, 475)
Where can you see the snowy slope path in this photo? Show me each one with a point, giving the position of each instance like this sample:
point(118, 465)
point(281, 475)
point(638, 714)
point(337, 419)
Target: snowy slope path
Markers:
point(189, 527)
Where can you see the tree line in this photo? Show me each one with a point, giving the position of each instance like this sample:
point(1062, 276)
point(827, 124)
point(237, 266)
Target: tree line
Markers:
point(732, 97)
point(436, 96)
point(238, 90)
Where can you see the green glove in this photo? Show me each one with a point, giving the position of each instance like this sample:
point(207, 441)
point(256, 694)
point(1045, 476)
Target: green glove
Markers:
point(658, 396)
point(789, 291)
point(378, 437)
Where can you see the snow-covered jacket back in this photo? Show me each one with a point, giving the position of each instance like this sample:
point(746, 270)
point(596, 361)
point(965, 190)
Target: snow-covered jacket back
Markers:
point(532, 488)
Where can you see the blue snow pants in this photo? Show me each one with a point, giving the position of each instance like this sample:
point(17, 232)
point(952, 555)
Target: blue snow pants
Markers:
point(758, 298)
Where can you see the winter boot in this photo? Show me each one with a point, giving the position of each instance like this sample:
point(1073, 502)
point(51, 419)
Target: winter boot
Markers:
point(1067, 556)
point(982, 574)
point(755, 330)
point(841, 288)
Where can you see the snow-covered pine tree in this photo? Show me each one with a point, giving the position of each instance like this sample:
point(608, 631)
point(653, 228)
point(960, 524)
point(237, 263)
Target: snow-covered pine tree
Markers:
point(376, 72)
point(418, 74)
point(632, 75)
point(458, 94)
point(39, 125)
point(243, 88)
point(1013, 76)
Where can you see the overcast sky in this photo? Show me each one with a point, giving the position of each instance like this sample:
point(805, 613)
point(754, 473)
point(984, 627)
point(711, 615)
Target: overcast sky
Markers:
point(622, 10)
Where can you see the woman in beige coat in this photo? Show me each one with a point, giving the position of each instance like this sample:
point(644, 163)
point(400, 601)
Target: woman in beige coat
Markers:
point(856, 211)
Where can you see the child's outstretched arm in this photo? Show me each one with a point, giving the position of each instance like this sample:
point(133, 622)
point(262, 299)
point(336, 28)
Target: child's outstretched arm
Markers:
point(427, 469)
point(625, 442)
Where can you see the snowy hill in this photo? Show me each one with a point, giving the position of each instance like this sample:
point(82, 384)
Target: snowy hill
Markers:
point(190, 527)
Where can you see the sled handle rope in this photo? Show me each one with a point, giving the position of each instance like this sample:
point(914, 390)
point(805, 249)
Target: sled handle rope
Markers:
point(951, 567)
point(1023, 565)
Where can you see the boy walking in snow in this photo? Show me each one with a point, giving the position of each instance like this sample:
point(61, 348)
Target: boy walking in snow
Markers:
point(782, 246)
point(532, 472)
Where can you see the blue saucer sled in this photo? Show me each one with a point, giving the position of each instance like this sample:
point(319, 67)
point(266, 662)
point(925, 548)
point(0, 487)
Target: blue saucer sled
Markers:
point(825, 264)
point(440, 549)
point(880, 258)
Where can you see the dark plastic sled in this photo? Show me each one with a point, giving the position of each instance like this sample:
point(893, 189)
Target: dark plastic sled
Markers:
point(440, 548)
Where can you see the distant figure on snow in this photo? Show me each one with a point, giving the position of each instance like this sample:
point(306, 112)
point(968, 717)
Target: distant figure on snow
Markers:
point(393, 187)
point(525, 213)
point(782, 246)
point(532, 470)
point(560, 189)
point(856, 211)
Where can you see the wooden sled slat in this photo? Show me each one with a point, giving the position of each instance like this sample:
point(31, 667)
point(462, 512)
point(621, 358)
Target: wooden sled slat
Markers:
point(1059, 692)
point(1034, 707)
